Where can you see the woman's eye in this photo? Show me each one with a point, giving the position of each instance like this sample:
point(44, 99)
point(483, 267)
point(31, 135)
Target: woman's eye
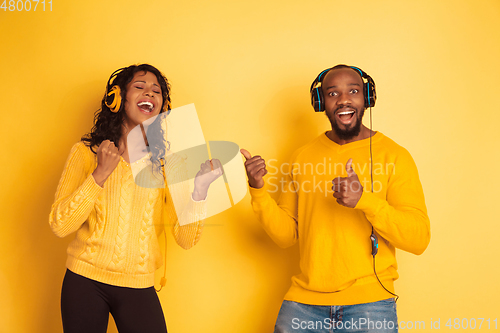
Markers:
point(354, 91)
point(157, 92)
point(333, 93)
point(139, 87)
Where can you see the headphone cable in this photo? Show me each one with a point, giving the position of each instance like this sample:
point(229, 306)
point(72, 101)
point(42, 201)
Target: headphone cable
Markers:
point(373, 231)
point(163, 280)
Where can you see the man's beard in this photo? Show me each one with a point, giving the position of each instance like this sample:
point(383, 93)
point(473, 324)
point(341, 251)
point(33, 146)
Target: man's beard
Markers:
point(350, 132)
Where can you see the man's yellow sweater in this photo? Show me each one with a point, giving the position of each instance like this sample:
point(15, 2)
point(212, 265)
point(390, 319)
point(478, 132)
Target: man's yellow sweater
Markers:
point(117, 225)
point(335, 249)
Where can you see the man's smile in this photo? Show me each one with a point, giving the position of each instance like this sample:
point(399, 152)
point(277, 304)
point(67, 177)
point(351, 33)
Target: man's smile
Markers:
point(345, 115)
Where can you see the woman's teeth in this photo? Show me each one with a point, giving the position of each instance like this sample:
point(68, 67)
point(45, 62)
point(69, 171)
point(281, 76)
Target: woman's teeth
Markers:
point(146, 106)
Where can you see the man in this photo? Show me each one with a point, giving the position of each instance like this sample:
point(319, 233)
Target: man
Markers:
point(338, 229)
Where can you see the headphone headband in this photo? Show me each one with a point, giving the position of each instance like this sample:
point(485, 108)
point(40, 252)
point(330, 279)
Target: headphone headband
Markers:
point(318, 100)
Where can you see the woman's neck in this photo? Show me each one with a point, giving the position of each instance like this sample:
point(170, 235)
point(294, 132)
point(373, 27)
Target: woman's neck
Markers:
point(137, 148)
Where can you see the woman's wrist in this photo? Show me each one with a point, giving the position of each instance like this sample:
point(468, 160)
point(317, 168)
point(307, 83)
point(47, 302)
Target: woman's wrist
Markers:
point(199, 194)
point(99, 177)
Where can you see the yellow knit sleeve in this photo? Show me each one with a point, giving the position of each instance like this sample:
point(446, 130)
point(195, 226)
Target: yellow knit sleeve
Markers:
point(76, 193)
point(186, 216)
point(402, 218)
point(279, 219)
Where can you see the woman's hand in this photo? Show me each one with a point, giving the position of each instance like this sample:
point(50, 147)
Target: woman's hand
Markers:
point(108, 157)
point(209, 172)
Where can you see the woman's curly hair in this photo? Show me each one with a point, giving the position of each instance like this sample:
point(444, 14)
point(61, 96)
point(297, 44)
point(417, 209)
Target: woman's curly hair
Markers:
point(108, 124)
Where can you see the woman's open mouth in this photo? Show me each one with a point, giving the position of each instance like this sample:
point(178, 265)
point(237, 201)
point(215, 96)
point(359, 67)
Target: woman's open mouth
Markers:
point(146, 106)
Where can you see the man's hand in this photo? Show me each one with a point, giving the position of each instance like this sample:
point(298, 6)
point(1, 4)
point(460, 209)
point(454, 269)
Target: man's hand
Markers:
point(256, 169)
point(347, 190)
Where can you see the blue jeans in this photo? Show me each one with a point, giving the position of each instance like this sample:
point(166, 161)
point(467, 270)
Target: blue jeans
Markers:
point(379, 317)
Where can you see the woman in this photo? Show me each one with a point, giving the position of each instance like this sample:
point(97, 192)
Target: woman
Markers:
point(118, 214)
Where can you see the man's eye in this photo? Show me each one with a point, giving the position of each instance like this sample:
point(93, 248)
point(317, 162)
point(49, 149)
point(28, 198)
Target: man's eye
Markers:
point(354, 91)
point(332, 93)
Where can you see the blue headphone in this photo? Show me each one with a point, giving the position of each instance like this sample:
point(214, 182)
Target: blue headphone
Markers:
point(318, 100)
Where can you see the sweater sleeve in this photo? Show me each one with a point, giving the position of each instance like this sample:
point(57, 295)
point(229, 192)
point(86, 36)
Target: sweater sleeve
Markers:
point(186, 216)
point(279, 219)
point(402, 218)
point(75, 195)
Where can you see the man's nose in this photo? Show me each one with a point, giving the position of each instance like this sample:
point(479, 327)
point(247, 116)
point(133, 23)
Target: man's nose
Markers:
point(344, 99)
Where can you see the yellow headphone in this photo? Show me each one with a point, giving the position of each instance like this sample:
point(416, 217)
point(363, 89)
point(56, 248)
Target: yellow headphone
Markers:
point(114, 106)
point(115, 92)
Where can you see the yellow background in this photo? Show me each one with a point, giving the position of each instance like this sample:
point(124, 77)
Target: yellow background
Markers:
point(248, 66)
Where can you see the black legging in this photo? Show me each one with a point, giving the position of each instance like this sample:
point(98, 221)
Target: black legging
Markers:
point(86, 304)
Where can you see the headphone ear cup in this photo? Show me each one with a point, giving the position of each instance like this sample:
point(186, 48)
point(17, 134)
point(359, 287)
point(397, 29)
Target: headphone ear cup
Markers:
point(370, 88)
point(114, 99)
point(366, 94)
point(373, 95)
point(317, 99)
point(369, 94)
